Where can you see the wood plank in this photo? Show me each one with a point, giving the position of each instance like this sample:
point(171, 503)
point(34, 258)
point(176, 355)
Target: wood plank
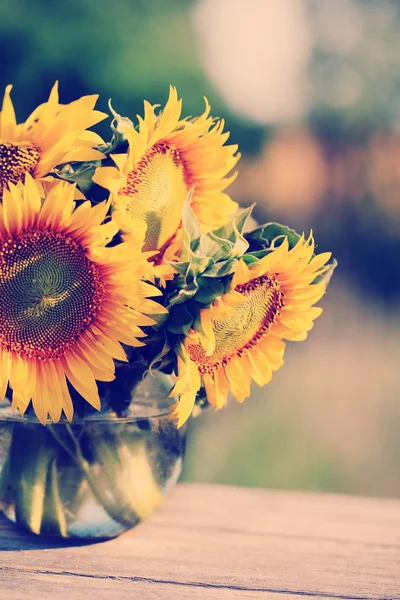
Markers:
point(64, 587)
point(223, 542)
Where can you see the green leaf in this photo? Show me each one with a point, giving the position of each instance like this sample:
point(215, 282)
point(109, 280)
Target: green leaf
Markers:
point(80, 173)
point(254, 257)
point(269, 235)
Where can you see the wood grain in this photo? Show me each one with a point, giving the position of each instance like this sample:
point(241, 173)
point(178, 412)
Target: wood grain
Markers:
point(216, 542)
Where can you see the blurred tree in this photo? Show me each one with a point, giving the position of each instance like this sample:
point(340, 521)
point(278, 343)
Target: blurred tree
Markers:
point(129, 50)
point(134, 49)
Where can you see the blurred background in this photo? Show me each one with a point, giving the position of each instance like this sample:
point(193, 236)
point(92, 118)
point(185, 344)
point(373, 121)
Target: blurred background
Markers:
point(310, 90)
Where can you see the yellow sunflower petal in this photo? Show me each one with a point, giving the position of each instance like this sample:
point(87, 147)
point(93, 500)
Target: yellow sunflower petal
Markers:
point(52, 135)
point(22, 378)
point(12, 210)
point(238, 379)
point(242, 275)
point(276, 303)
point(69, 300)
point(167, 157)
point(181, 411)
point(217, 388)
point(260, 367)
point(5, 368)
point(109, 178)
point(7, 116)
point(208, 340)
point(48, 377)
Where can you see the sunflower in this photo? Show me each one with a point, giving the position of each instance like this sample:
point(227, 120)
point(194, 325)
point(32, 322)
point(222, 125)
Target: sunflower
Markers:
point(67, 301)
point(167, 157)
point(242, 334)
point(53, 134)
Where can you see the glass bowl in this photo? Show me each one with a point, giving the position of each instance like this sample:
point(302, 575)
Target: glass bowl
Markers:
point(95, 477)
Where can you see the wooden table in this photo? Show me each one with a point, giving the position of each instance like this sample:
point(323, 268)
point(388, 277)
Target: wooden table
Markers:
point(215, 542)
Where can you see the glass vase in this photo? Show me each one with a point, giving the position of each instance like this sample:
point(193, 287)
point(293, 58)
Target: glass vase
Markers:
point(95, 477)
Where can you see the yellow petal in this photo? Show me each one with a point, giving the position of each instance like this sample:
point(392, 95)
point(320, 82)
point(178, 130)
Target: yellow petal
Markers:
point(7, 117)
point(82, 379)
point(238, 379)
point(217, 388)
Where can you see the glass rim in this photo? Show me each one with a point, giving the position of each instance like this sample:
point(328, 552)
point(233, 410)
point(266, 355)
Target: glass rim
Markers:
point(141, 409)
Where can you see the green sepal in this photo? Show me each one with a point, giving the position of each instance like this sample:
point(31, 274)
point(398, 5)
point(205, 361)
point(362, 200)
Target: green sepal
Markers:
point(155, 355)
point(233, 233)
point(197, 265)
point(175, 341)
point(207, 262)
point(180, 319)
point(160, 356)
point(212, 254)
point(214, 248)
point(197, 326)
point(180, 267)
point(119, 125)
point(221, 269)
point(183, 294)
point(209, 290)
point(326, 275)
point(190, 224)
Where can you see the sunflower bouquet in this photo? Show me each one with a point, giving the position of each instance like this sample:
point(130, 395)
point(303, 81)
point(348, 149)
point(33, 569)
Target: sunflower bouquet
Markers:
point(124, 262)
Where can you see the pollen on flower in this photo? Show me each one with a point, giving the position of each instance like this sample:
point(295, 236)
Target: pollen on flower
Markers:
point(245, 326)
point(16, 159)
point(157, 188)
point(50, 292)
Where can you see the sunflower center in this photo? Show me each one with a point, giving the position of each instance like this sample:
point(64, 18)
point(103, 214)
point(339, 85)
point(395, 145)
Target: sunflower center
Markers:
point(16, 159)
point(245, 326)
point(157, 188)
point(50, 292)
